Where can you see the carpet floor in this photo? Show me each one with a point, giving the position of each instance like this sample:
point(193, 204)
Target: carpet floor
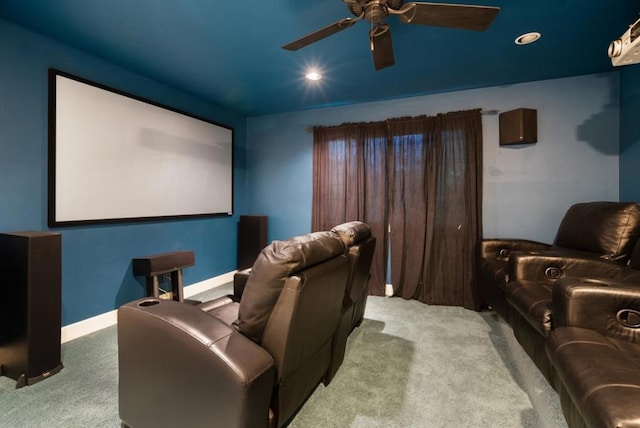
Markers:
point(407, 365)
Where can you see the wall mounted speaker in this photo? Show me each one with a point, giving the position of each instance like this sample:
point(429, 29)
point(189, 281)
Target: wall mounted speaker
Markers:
point(518, 126)
point(30, 306)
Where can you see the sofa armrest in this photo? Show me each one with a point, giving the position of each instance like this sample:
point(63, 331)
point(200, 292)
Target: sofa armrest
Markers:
point(549, 267)
point(500, 249)
point(180, 366)
point(212, 305)
point(610, 307)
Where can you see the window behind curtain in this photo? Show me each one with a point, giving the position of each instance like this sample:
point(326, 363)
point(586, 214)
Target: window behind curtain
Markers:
point(350, 183)
point(421, 176)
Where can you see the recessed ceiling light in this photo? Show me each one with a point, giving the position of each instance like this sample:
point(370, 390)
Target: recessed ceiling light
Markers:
point(313, 75)
point(527, 38)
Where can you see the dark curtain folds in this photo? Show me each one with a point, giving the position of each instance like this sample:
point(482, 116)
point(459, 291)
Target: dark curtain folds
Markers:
point(350, 183)
point(435, 213)
point(422, 176)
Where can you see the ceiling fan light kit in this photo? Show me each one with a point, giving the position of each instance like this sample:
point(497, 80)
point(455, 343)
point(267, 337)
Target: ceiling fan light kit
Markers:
point(375, 12)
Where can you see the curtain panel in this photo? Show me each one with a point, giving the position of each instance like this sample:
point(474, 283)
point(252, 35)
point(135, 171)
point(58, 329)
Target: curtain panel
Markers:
point(350, 183)
point(422, 178)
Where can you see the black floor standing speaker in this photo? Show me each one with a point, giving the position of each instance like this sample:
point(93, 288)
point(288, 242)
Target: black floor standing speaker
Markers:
point(30, 306)
point(252, 238)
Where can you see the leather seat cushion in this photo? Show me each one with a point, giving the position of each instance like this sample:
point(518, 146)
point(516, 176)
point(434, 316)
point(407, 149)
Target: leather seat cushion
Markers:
point(607, 228)
point(533, 301)
point(274, 264)
point(227, 313)
point(600, 374)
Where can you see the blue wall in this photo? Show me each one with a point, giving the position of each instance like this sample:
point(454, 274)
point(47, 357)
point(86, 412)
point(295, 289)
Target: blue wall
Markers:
point(96, 271)
point(527, 189)
point(629, 132)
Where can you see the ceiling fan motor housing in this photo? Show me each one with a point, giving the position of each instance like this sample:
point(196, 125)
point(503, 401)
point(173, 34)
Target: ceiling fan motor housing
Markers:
point(375, 10)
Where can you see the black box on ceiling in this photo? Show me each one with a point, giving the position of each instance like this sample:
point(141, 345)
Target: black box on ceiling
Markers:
point(518, 126)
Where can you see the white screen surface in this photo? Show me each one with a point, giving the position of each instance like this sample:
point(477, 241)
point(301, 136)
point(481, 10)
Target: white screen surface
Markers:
point(119, 158)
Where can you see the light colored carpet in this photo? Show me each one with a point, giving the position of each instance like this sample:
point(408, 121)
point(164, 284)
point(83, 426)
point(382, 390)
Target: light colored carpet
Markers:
point(413, 365)
point(408, 365)
point(83, 394)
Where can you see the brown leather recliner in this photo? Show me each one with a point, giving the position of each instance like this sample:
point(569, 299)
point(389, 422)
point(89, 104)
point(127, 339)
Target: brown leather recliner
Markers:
point(602, 236)
point(250, 363)
point(360, 245)
point(595, 350)
point(592, 230)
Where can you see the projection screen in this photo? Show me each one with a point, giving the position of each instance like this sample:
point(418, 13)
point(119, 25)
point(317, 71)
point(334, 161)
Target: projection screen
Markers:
point(114, 157)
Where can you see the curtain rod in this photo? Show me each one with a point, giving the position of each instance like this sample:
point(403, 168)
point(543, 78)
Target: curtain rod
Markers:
point(309, 129)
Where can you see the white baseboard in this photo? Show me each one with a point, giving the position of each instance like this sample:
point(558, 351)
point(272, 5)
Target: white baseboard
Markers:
point(208, 284)
point(90, 325)
point(93, 324)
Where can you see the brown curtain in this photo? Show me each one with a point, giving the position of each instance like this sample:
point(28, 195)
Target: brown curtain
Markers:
point(350, 183)
point(435, 213)
point(422, 176)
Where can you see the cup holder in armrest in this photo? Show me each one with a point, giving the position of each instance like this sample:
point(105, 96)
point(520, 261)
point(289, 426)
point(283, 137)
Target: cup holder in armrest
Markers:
point(149, 302)
point(553, 272)
point(629, 318)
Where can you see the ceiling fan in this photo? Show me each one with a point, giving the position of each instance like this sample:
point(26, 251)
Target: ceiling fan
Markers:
point(465, 17)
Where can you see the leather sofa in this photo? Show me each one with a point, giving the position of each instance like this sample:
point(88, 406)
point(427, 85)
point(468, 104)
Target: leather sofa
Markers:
point(574, 307)
point(356, 236)
point(592, 230)
point(601, 237)
point(360, 245)
point(531, 300)
point(595, 351)
point(247, 360)
point(494, 256)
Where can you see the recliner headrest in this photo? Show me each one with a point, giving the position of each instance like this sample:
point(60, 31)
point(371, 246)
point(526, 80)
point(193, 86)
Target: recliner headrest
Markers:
point(352, 232)
point(274, 264)
point(606, 228)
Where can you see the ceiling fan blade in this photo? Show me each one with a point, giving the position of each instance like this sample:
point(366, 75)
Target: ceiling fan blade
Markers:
point(465, 17)
point(327, 31)
point(381, 47)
